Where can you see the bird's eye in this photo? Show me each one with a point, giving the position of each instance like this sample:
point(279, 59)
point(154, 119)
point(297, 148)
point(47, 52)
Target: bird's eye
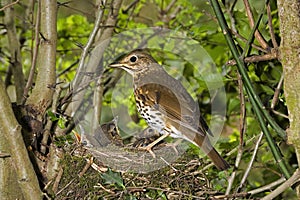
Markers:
point(133, 58)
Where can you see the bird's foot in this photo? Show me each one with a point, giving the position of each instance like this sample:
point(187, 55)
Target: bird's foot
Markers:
point(174, 145)
point(149, 149)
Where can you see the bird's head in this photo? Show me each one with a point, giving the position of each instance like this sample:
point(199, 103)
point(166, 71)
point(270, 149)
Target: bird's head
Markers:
point(135, 62)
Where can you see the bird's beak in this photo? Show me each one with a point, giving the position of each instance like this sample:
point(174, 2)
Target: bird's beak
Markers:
point(116, 65)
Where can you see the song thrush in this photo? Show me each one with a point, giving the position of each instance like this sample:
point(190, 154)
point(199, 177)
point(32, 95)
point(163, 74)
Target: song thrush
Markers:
point(166, 105)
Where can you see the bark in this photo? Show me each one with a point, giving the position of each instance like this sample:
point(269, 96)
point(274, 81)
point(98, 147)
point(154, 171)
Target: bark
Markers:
point(289, 17)
point(15, 52)
point(42, 93)
point(9, 188)
point(103, 38)
point(19, 162)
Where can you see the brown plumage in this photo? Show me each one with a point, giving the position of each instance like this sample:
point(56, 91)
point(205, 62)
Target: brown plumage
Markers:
point(166, 105)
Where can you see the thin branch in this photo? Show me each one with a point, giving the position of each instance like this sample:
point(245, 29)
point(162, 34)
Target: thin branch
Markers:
point(227, 196)
point(171, 4)
point(35, 53)
point(65, 187)
point(245, 40)
point(9, 5)
point(65, 4)
point(57, 180)
point(131, 5)
point(242, 133)
point(15, 52)
point(280, 114)
point(87, 47)
point(295, 178)
point(271, 28)
point(246, 50)
point(257, 34)
point(258, 107)
point(231, 18)
point(227, 154)
point(49, 123)
point(86, 167)
point(258, 58)
point(67, 69)
point(277, 92)
point(252, 192)
point(250, 163)
point(267, 187)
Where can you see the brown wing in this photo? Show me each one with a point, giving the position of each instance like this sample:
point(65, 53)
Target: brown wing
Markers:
point(170, 103)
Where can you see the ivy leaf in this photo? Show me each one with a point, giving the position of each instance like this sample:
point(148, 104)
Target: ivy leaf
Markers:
point(113, 178)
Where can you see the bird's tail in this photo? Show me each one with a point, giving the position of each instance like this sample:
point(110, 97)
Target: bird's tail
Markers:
point(205, 145)
point(220, 163)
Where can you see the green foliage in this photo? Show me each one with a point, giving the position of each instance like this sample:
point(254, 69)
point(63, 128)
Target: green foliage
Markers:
point(113, 178)
point(196, 19)
point(60, 120)
point(156, 194)
point(72, 30)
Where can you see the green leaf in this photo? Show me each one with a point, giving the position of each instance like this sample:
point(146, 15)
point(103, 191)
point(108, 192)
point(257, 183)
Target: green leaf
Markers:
point(52, 116)
point(61, 123)
point(113, 178)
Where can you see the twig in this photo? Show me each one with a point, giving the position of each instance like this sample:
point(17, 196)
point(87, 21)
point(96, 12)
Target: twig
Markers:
point(98, 168)
point(267, 187)
point(242, 111)
point(257, 34)
point(9, 5)
point(34, 53)
point(258, 58)
point(86, 167)
point(250, 163)
point(227, 154)
point(132, 4)
point(60, 191)
point(14, 48)
point(242, 132)
point(67, 69)
point(277, 92)
point(49, 123)
point(280, 114)
point(245, 40)
point(171, 4)
point(85, 51)
point(169, 164)
point(231, 18)
point(251, 36)
point(291, 181)
point(276, 97)
point(72, 8)
point(57, 180)
point(182, 193)
point(255, 191)
point(259, 109)
point(226, 196)
point(102, 187)
point(97, 102)
point(271, 28)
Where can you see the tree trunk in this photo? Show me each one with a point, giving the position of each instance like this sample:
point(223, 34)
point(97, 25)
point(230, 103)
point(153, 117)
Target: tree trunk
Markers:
point(18, 166)
point(42, 93)
point(290, 58)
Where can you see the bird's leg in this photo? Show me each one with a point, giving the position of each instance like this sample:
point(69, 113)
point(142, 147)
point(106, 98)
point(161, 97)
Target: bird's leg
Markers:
point(152, 144)
point(174, 145)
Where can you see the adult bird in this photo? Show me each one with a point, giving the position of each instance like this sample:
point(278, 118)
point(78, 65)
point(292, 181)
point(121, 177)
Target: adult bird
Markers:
point(166, 105)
